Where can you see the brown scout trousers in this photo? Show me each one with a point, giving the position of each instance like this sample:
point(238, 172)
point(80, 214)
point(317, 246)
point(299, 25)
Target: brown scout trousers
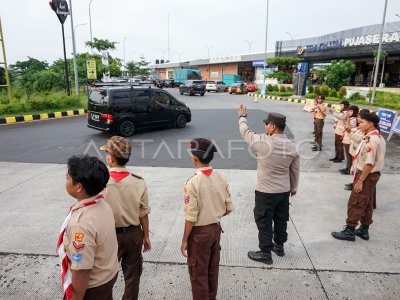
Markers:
point(349, 158)
point(102, 292)
point(360, 205)
point(130, 245)
point(203, 261)
point(339, 153)
point(318, 128)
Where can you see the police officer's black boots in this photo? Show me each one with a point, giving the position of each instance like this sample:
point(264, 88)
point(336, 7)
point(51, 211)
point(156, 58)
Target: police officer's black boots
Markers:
point(261, 256)
point(362, 232)
point(278, 250)
point(347, 234)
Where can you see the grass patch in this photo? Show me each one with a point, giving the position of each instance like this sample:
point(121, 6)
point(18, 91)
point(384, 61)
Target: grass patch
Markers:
point(280, 94)
point(42, 103)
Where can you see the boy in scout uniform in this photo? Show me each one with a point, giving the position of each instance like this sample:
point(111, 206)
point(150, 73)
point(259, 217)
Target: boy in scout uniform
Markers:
point(368, 163)
point(319, 117)
point(126, 193)
point(338, 129)
point(87, 245)
point(207, 199)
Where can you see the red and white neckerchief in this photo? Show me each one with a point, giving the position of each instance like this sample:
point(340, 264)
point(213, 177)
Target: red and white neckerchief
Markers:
point(346, 126)
point(355, 158)
point(206, 172)
point(66, 276)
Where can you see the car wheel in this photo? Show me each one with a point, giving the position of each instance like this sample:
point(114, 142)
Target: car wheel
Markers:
point(218, 90)
point(190, 93)
point(181, 121)
point(181, 92)
point(126, 128)
point(202, 94)
point(230, 93)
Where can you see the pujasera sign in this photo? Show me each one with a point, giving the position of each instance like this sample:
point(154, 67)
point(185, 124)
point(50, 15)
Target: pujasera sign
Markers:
point(388, 38)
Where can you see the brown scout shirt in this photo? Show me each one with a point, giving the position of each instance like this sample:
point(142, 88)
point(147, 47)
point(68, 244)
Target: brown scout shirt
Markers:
point(278, 162)
point(90, 242)
point(372, 152)
point(127, 198)
point(341, 120)
point(207, 197)
point(318, 114)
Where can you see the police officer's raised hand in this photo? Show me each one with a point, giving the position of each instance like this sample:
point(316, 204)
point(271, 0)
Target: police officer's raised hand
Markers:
point(242, 110)
point(184, 247)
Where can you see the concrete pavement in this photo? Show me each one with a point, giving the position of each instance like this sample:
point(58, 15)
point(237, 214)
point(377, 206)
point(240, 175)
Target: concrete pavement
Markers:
point(34, 204)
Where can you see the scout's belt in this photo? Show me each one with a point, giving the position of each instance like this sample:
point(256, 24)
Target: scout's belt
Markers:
point(126, 229)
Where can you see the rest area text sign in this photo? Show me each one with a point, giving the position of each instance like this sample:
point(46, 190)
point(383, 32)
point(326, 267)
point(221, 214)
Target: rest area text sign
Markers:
point(387, 118)
point(91, 69)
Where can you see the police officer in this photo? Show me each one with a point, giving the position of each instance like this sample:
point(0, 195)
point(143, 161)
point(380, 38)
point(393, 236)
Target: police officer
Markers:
point(278, 168)
point(368, 163)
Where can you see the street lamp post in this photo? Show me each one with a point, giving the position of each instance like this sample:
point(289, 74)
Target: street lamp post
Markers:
point(208, 50)
point(90, 21)
point(74, 50)
point(124, 54)
point(292, 36)
point(179, 56)
point(266, 41)
point(249, 43)
point(379, 53)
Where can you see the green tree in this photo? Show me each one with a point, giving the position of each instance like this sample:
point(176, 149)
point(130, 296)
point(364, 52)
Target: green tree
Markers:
point(284, 62)
point(138, 68)
point(2, 76)
point(48, 80)
point(24, 72)
point(339, 73)
point(100, 45)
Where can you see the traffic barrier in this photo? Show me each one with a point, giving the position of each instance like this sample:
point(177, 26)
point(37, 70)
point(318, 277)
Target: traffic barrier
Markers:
point(310, 104)
point(45, 116)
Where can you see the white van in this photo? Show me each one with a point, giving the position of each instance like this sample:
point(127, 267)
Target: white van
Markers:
point(215, 86)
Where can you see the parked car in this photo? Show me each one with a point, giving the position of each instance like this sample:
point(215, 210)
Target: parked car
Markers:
point(125, 109)
point(215, 86)
point(193, 87)
point(251, 87)
point(238, 88)
point(170, 83)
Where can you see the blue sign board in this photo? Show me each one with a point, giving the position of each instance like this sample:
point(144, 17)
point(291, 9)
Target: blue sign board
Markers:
point(258, 63)
point(387, 118)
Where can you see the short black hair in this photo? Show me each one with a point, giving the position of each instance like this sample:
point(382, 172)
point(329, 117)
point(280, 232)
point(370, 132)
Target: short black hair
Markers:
point(121, 161)
point(89, 171)
point(205, 157)
point(362, 112)
point(371, 117)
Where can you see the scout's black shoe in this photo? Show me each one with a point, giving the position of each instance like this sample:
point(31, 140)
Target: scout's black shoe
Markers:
point(278, 250)
point(316, 148)
point(362, 232)
point(264, 257)
point(347, 234)
point(338, 160)
point(333, 159)
point(349, 187)
point(344, 172)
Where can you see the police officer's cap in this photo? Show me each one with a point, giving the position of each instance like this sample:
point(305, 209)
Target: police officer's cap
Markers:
point(202, 144)
point(276, 118)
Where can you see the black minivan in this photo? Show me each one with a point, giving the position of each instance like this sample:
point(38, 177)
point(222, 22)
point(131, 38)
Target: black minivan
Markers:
point(123, 109)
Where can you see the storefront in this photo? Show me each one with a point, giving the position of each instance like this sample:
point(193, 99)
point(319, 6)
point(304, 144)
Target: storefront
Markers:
point(357, 45)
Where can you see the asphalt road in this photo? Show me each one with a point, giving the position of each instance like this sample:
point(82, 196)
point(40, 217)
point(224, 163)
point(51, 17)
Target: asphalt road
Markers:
point(213, 116)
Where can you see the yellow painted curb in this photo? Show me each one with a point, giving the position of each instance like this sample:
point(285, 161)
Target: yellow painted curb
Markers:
point(28, 118)
point(81, 111)
point(10, 120)
point(57, 114)
point(44, 116)
point(70, 113)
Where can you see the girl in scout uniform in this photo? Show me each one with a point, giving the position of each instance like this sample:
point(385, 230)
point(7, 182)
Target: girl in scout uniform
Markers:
point(350, 124)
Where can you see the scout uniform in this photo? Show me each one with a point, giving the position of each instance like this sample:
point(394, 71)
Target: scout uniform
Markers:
point(371, 151)
point(319, 124)
point(351, 123)
point(88, 242)
point(126, 193)
point(278, 170)
point(338, 129)
point(207, 200)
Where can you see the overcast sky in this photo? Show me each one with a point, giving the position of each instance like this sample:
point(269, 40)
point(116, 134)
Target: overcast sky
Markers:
point(31, 28)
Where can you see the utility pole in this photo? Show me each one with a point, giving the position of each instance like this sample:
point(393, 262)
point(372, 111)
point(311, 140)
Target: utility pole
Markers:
point(8, 85)
point(90, 23)
point(249, 44)
point(266, 41)
point(169, 50)
point(74, 50)
point(379, 54)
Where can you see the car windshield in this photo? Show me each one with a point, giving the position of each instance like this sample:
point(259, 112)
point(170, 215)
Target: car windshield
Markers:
point(198, 82)
point(210, 82)
point(98, 96)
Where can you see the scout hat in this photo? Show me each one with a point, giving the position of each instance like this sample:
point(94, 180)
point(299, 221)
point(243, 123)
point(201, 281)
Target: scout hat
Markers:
point(202, 144)
point(276, 118)
point(117, 146)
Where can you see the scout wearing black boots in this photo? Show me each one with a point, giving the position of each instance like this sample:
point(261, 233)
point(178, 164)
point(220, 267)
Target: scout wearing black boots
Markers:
point(368, 163)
